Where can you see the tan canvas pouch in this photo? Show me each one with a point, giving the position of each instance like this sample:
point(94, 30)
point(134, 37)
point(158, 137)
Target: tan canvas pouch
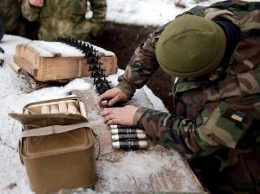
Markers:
point(39, 128)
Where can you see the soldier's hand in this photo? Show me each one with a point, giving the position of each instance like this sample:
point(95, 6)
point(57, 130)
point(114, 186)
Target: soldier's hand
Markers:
point(113, 96)
point(121, 116)
point(36, 3)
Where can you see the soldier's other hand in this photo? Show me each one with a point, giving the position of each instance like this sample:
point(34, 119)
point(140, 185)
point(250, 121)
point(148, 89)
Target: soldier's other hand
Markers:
point(113, 96)
point(121, 116)
point(36, 3)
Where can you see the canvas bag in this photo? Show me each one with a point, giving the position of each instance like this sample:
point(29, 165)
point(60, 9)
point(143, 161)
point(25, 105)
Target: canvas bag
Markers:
point(57, 151)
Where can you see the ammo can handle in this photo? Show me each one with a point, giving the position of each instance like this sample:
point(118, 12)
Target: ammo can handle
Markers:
point(54, 129)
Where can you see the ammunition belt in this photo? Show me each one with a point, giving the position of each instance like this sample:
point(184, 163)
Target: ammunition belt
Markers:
point(97, 72)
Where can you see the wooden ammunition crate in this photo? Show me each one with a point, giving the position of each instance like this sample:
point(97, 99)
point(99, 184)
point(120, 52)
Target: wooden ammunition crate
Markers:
point(55, 61)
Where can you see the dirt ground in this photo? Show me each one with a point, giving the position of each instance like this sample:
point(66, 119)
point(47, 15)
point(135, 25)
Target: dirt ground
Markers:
point(123, 39)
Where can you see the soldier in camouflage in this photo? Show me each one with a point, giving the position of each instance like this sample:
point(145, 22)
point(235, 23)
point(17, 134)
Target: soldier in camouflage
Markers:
point(213, 55)
point(10, 13)
point(66, 18)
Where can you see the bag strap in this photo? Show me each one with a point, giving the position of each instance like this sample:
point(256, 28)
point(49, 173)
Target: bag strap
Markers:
point(54, 129)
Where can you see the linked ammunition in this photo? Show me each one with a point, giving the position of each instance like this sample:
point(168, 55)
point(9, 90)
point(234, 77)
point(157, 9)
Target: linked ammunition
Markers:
point(126, 131)
point(130, 144)
point(138, 136)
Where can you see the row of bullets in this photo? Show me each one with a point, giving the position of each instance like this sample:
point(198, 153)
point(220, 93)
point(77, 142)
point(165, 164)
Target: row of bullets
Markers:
point(127, 138)
point(63, 107)
point(68, 108)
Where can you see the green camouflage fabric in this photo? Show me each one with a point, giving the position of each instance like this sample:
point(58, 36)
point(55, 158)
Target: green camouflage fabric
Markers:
point(216, 116)
point(66, 18)
point(12, 17)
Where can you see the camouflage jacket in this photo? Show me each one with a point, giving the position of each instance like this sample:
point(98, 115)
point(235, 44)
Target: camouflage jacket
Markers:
point(214, 112)
point(66, 18)
point(12, 17)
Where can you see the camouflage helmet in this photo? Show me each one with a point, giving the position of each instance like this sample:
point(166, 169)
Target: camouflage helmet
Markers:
point(190, 46)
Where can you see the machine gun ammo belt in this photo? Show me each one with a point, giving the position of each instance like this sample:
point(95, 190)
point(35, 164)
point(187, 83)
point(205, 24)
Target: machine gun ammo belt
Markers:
point(97, 72)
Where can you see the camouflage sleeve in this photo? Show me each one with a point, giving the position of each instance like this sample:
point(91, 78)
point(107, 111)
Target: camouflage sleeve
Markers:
point(99, 9)
point(140, 67)
point(29, 12)
point(220, 124)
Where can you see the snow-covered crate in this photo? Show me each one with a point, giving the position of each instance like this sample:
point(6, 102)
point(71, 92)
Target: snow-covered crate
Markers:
point(57, 148)
point(56, 61)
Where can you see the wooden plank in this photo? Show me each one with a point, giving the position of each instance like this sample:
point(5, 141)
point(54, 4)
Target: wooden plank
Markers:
point(25, 65)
